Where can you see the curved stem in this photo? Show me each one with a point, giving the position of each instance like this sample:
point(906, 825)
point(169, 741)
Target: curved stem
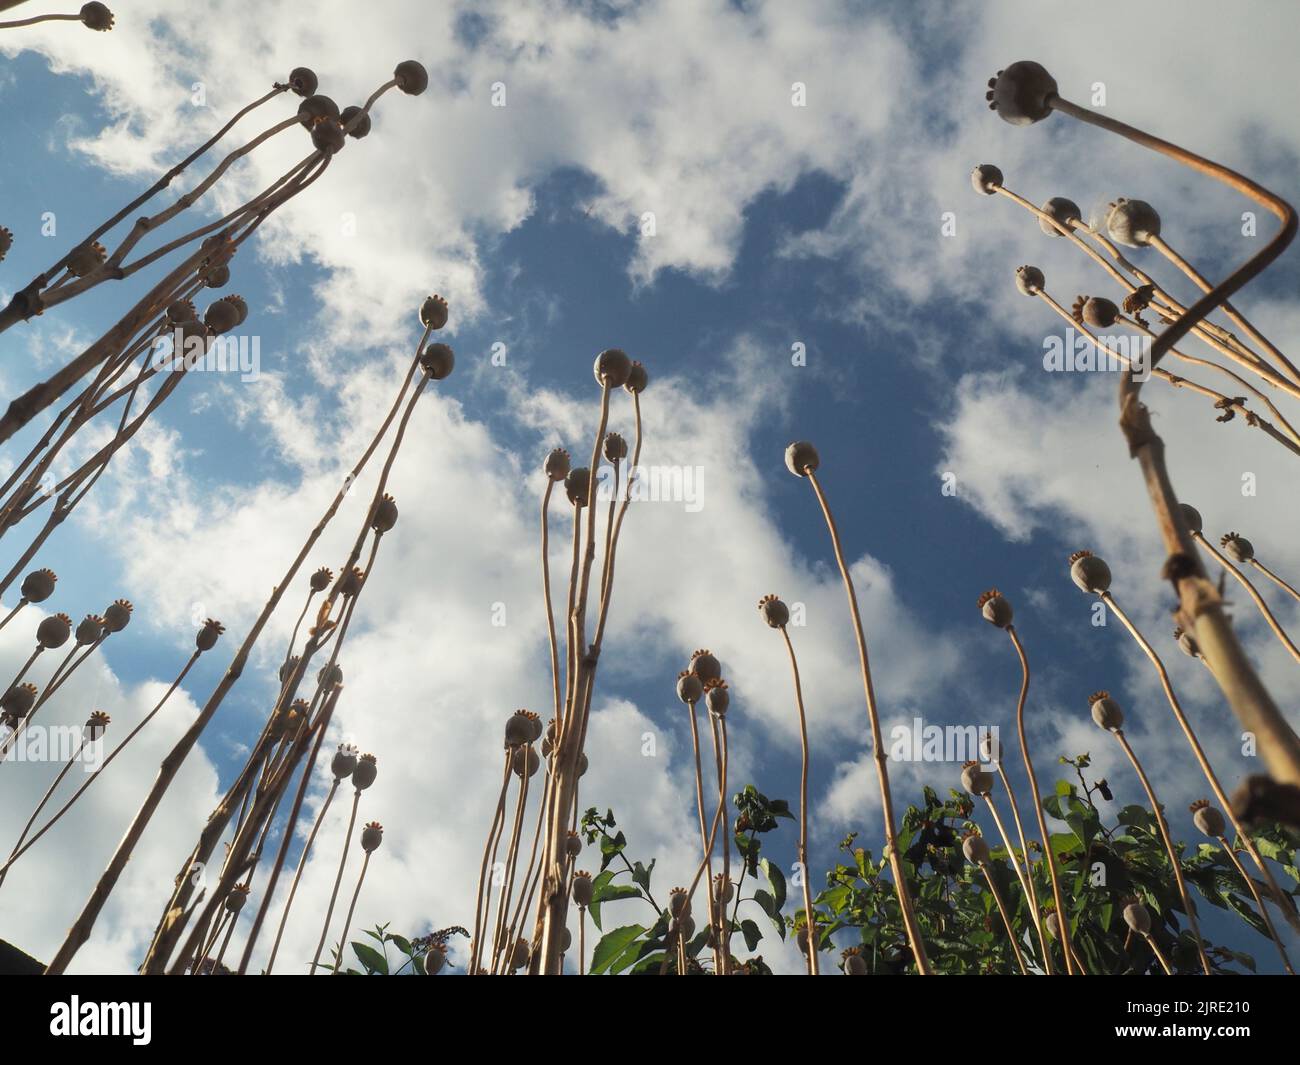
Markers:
point(882, 771)
point(1258, 599)
point(1025, 876)
point(1263, 910)
point(1254, 562)
point(297, 874)
point(1006, 917)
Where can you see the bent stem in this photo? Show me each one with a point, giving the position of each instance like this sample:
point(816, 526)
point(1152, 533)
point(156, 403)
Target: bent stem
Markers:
point(803, 807)
point(1157, 810)
point(1259, 566)
point(882, 771)
point(1048, 853)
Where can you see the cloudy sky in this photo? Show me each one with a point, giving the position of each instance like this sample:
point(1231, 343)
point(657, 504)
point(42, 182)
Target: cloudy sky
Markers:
point(769, 205)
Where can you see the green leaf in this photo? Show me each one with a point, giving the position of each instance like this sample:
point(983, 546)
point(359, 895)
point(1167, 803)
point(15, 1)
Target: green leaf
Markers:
point(776, 879)
point(602, 878)
point(641, 875)
point(402, 943)
point(611, 848)
point(612, 945)
point(371, 958)
point(752, 935)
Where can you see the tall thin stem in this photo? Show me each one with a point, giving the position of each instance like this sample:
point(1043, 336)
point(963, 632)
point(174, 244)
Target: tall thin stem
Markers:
point(338, 879)
point(809, 916)
point(1006, 917)
point(878, 747)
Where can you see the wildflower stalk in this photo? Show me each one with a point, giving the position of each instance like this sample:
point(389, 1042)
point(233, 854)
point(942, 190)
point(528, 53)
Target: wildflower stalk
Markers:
point(352, 907)
point(1158, 811)
point(1245, 582)
point(1048, 853)
point(705, 842)
point(882, 772)
point(1231, 852)
point(1176, 706)
point(338, 879)
point(298, 874)
point(476, 943)
point(803, 805)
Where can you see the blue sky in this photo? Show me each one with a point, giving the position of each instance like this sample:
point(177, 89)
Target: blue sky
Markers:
point(775, 226)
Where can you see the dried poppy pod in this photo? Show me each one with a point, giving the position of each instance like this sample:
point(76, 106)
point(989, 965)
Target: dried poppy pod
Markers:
point(303, 81)
point(433, 312)
point(96, 16)
point(385, 515)
point(612, 367)
point(239, 303)
point(1206, 818)
point(1106, 711)
point(1132, 222)
point(320, 580)
point(329, 675)
point(1237, 548)
point(286, 670)
point(996, 610)
point(976, 848)
point(236, 898)
point(1137, 917)
point(774, 611)
point(723, 891)
point(556, 464)
point(706, 666)
point(689, 687)
point(986, 178)
point(572, 844)
point(209, 634)
point(327, 136)
point(411, 77)
point(1089, 573)
point(371, 836)
point(315, 108)
point(89, 629)
point(1053, 922)
point(1061, 210)
point(801, 458)
point(87, 258)
point(54, 631)
point(217, 276)
point(438, 361)
point(365, 771)
point(976, 779)
point(637, 379)
point(582, 889)
point(615, 447)
point(118, 615)
point(38, 585)
point(1187, 643)
point(96, 725)
point(583, 764)
point(288, 718)
point(1029, 280)
point(221, 317)
point(548, 741)
point(181, 311)
point(18, 700)
point(1191, 517)
point(854, 963)
point(344, 761)
point(525, 757)
point(355, 121)
point(1021, 93)
point(523, 726)
point(352, 581)
point(717, 698)
point(1095, 311)
point(435, 959)
point(679, 903)
point(577, 484)
point(6, 241)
